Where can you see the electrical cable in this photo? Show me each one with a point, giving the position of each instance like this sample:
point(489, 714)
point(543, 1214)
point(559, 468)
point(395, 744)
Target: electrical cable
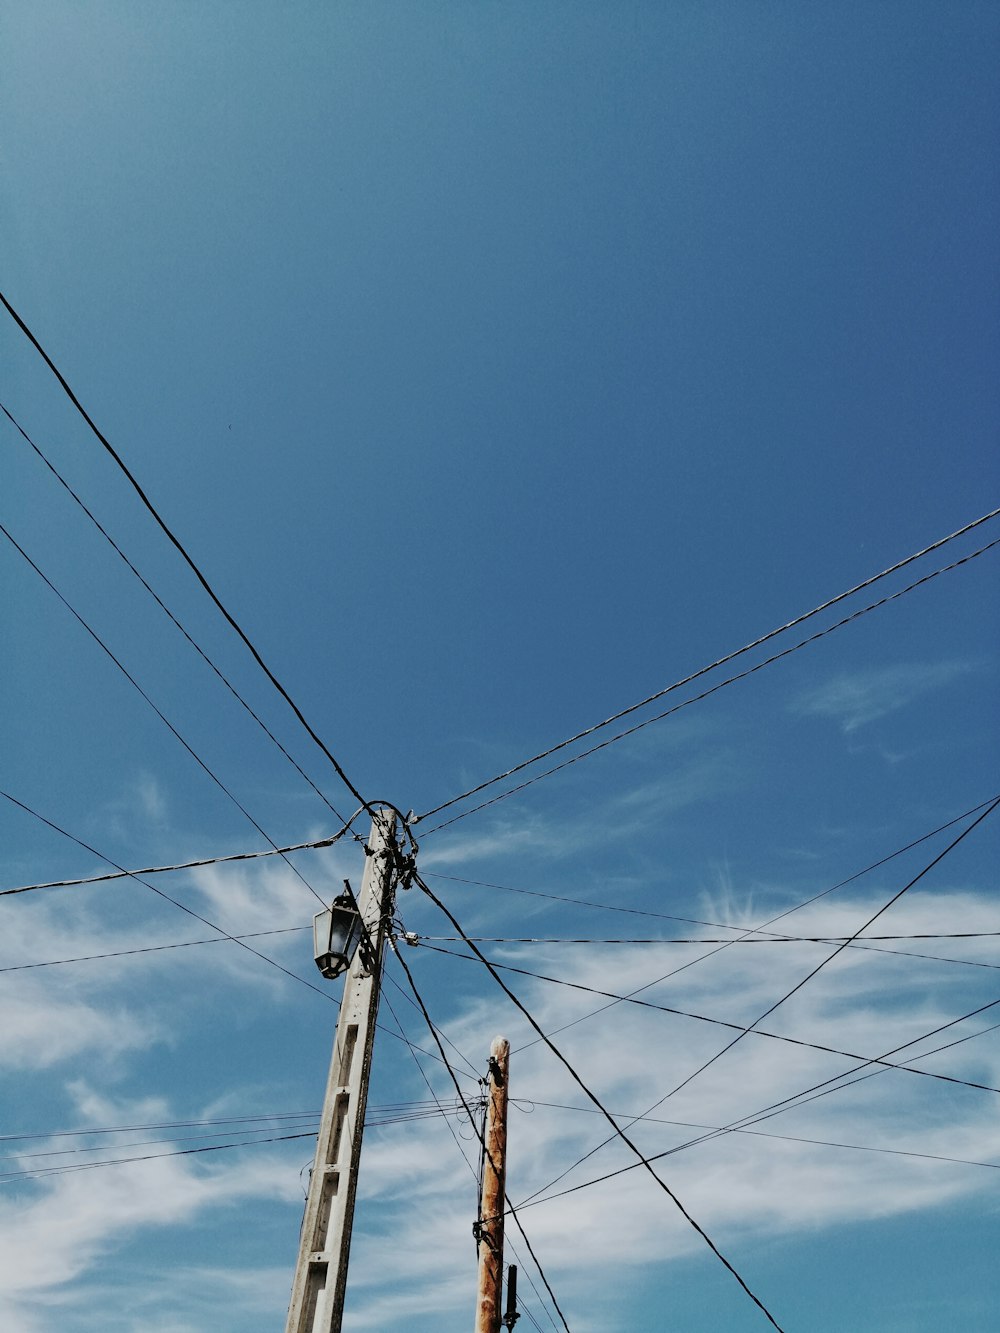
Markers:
point(777, 1108)
point(717, 925)
point(414, 938)
point(166, 896)
point(745, 939)
point(187, 865)
point(697, 698)
point(781, 1138)
point(7, 1176)
point(746, 931)
point(138, 1143)
point(175, 541)
point(162, 716)
point(451, 1131)
point(149, 948)
point(479, 883)
point(146, 1128)
point(643, 1161)
point(704, 1018)
point(798, 986)
point(170, 615)
point(472, 1120)
point(223, 935)
point(440, 1032)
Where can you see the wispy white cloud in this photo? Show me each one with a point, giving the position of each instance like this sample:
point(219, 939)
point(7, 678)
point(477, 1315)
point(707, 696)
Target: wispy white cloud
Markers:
point(417, 1193)
point(854, 699)
point(62, 1229)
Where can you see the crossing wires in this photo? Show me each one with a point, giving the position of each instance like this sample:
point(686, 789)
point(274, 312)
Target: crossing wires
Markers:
point(703, 671)
point(185, 555)
point(618, 1131)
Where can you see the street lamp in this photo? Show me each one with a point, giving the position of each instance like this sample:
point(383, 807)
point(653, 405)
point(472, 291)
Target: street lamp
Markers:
point(337, 932)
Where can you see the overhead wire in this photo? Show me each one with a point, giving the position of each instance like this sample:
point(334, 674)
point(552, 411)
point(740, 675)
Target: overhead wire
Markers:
point(188, 865)
point(750, 939)
point(454, 1135)
point(321, 843)
point(619, 1132)
point(423, 940)
point(159, 713)
point(513, 1212)
point(440, 1031)
point(740, 1028)
point(148, 948)
point(721, 661)
point(746, 931)
point(223, 934)
point(165, 896)
point(770, 938)
point(169, 614)
point(781, 1138)
point(699, 921)
point(685, 1082)
point(181, 549)
point(479, 1132)
point(7, 1176)
point(82, 1131)
point(777, 1108)
point(704, 694)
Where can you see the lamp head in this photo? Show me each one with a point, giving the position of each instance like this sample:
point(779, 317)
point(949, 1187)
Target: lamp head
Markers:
point(336, 933)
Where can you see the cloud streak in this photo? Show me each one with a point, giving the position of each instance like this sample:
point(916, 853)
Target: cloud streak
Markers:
point(855, 699)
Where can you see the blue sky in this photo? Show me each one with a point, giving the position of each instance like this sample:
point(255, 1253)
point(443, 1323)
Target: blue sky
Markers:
point(501, 364)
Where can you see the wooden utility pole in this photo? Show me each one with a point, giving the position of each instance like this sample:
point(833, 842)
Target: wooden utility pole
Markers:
point(317, 1303)
point(491, 1210)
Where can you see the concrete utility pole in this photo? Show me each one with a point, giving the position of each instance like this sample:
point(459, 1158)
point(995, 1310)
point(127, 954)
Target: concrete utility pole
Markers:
point(490, 1227)
point(317, 1304)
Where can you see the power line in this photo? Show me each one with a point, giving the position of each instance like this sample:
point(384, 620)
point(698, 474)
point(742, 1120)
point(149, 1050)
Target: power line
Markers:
point(798, 986)
point(186, 865)
point(451, 1131)
point(376, 1118)
point(746, 931)
point(169, 614)
point(782, 1138)
point(146, 1128)
point(236, 939)
point(841, 947)
point(730, 680)
point(472, 1121)
point(151, 948)
point(698, 921)
point(440, 1032)
point(161, 715)
point(619, 1132)
point(414, 938)
point(7, 1176)
point(740, 1028)
point(176, 543)
point(777, 1108)
point(321, 843)
point(425, 941)
point(836, 1083)
point(166, 896)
